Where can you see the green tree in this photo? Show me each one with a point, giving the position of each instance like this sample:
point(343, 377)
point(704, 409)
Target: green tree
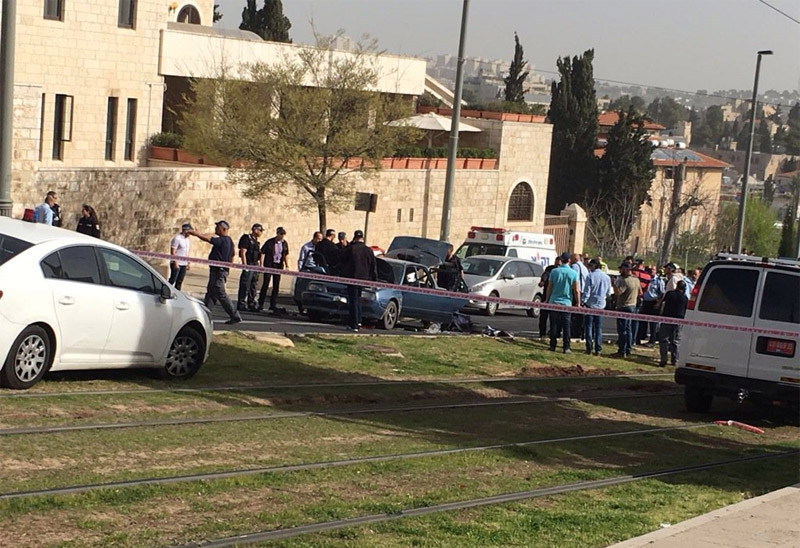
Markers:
point(792, 139)
point(625, 102)
point(217, 15)
point(515, 81)
point(760, 235)
point(764, 137)
point(667, 111)
point(573, 112)
point(787, 247)
point(625, 174)
point(307, 125)
point(268, 22)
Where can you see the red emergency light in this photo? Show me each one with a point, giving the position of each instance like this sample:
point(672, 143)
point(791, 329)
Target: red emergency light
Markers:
point(693, 297)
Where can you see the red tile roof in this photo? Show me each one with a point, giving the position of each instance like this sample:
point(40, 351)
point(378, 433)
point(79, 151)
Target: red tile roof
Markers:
point(704, 162)
point(610, 118)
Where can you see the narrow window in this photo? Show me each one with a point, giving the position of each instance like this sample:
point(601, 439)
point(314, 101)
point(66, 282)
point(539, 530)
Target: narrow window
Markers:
point(189, 14)
point(54, 9)
point(127, 14)
point(399, 215)
point(520, 206)
point(411, 215)
point(130, 129)
point(111, 128)
point(62, 125)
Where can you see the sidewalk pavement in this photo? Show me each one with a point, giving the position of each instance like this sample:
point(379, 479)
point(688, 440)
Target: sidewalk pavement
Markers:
point(768, 521)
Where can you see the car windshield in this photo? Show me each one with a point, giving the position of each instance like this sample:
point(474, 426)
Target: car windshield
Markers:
point(9, 247)
point(390, 271)
point(482, 267)
point(470, 250)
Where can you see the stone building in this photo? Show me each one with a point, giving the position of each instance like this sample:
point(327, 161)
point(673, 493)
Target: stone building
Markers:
point(91, 84)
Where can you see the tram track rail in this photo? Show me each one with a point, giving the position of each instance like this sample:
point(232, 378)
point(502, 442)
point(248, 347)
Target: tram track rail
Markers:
point(302, 386)
point(321, 527)
point(61, 428)
point(227, 474)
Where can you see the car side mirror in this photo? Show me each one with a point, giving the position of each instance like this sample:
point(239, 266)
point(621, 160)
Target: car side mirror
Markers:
point(509, 277)
point(166, 294)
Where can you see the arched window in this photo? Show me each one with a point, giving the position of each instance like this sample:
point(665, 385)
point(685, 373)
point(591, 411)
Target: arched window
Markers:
point(189, 14)
point(520, 206)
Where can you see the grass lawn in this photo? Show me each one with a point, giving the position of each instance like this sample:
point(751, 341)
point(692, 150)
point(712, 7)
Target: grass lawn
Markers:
point(174, 514)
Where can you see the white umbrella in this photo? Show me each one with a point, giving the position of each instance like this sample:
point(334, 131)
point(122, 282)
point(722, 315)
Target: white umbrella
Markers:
point(432, 123)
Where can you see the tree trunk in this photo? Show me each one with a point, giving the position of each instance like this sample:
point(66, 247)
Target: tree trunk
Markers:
point(322, 209)
point(674, 213)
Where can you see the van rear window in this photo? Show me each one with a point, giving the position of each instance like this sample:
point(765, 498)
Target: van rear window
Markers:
point(472, 249)
point(729, 291)
point(781, 300)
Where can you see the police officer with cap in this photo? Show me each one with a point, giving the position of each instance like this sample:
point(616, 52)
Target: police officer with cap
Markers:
point(250, 255)
point(221, 250)
point(275, 252)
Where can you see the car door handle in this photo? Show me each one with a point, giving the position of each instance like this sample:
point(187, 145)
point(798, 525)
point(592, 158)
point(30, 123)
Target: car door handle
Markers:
point(122, 306)
point(66, 301)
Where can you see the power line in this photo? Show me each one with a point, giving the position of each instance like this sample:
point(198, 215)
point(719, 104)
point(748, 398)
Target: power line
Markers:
point(779, 11)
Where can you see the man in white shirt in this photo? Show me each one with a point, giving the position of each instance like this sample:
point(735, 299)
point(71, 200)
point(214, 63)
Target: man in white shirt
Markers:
point(306, 257)
point(179, 245)
point(44, 211)
point(674, 275)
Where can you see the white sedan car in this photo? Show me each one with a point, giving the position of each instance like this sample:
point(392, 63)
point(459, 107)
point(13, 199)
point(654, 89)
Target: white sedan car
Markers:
point(69, 301)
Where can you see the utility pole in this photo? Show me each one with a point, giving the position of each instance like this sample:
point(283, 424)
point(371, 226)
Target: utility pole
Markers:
point(7, 41)
point(737, 245)
point(452, 150)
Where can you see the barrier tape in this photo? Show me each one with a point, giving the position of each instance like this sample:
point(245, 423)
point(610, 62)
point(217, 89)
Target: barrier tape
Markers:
point(470, 296)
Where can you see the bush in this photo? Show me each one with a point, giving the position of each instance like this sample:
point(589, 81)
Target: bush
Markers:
point(166, 139)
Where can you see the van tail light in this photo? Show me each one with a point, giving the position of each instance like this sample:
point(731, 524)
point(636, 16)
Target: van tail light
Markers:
point(693, 297)
point(471, 235)
point(499, 237)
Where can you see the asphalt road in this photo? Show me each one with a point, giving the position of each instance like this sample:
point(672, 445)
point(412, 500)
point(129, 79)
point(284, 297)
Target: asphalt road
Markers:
point(291, 322)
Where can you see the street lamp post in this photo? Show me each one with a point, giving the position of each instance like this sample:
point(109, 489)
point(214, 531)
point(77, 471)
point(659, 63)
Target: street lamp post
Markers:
point(444, 234)
point(743, 200)
point(7, 39)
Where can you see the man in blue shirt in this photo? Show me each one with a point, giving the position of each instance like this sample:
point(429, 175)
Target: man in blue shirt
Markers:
point(222, 250)
point(562, 288)
point(596, 289)
point(44, 211)
point(650, 301)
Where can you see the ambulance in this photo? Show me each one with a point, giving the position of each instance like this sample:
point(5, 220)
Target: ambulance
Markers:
point(509, 243)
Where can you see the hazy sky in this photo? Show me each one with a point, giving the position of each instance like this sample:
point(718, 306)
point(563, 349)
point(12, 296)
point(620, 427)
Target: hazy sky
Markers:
point(685, 44)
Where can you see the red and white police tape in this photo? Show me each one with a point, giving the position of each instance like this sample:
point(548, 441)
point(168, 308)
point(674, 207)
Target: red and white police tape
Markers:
point(470, 296)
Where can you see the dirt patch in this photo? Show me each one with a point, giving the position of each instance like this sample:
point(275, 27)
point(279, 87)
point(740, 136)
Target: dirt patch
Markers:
point(566, 371)
point(387, 351)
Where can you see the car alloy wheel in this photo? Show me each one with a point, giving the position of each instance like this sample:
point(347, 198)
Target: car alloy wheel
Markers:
point(31, 358)
point(185, 355)
point(491, 308)
point(535, 312)
point(390, 316)
point(28, 359)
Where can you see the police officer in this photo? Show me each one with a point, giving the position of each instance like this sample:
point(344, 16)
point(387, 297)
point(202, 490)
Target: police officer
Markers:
point(221, 250)
point(250, 255)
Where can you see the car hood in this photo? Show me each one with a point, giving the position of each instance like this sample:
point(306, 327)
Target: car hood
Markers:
point(418, 250)
point(472, 280)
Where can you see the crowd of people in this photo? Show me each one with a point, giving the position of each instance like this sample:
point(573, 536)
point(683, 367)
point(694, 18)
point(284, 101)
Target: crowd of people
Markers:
point(49, 213)
point(351, 259)
point(579, 281)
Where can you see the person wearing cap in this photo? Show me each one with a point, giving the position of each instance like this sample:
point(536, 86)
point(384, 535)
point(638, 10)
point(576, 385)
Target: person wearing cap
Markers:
point(327, 249)
point(669, 335)
point(594, 295)
point(275, 252)
point(342, 237)
point(358, 263)
point(221, 250)
point(562, 289)
point(577, 265)
point(306, 257)
point(628, 290)
point(673, 273)
point(179, 246)
point(650, 299)
point(544, 314)
point(250, 255)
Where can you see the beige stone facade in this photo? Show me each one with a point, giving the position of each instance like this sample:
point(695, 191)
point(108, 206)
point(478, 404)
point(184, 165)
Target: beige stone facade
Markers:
point(143, 207)
point(647, 235)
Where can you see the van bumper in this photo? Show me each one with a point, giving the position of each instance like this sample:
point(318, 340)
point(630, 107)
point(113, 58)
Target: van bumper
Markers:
point(730, 385)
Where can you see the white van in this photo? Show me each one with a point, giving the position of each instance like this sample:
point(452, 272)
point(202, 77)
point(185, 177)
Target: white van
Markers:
point(743, 291)
point(540, 248)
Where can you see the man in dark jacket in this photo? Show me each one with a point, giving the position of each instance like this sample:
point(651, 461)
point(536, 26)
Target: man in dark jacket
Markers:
point(328, 250)
point(358, 263)
point(250, 255)
point(669, 335)
point(222, 251)
point(275, 252)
